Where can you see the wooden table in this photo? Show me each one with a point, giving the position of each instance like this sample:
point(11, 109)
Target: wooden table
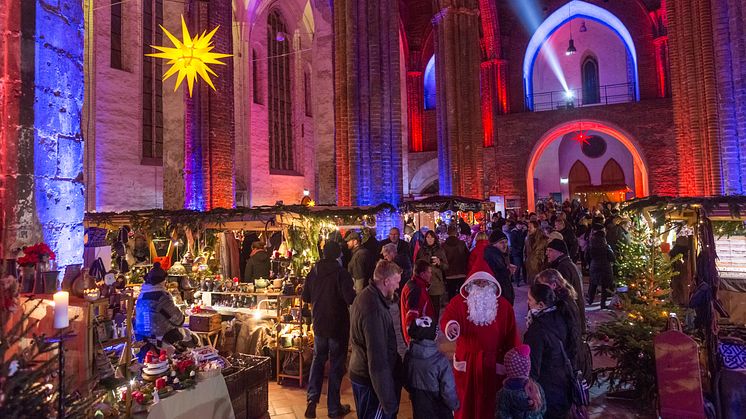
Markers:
point(212, 338)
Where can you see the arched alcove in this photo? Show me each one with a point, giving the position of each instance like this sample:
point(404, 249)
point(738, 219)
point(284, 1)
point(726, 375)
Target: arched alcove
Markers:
point(579, 176)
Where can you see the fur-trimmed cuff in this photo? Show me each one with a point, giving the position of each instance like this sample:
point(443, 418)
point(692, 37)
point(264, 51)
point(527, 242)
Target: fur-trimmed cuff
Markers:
point(446, 330)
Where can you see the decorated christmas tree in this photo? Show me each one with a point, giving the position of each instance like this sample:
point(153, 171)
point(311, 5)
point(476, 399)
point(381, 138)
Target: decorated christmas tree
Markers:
point(644, 277)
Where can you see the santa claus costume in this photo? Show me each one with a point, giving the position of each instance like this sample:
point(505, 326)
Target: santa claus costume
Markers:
point(483, 325)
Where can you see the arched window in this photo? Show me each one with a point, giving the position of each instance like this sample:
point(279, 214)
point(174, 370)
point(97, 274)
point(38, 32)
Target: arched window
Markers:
point(280, 109)
point(429, 80)
point(612, 174)
point(579, 176)
point(591, 88)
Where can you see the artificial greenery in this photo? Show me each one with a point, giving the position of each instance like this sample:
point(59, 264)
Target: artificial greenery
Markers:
point(644, 308)
point(28, 376)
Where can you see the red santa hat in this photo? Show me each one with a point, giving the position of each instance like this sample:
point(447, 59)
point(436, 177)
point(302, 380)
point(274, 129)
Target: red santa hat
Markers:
point(480, 275)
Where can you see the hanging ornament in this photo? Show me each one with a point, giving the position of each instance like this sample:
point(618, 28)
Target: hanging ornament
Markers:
point(190, 57)
point(581, 138)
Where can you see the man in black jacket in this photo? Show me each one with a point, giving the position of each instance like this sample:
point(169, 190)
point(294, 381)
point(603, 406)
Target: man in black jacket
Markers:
point(329, 288)
point(558, 259)
point(375, 365)
point(498, 258)
point(568, 235)
point(360, 261)
point(402, 247)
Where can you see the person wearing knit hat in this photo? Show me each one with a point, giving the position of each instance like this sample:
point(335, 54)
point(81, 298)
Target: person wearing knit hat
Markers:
point(521, 396)
point(558, 245)
point(429, 379)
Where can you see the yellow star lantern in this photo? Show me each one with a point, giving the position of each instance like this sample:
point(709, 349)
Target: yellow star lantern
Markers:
point(190, 57)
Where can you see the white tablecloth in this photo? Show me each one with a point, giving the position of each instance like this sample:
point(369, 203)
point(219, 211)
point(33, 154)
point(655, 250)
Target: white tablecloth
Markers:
point(208, 399)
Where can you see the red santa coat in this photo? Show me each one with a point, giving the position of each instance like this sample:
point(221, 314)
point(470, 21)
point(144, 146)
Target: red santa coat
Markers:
point(481, 348)
point(415, 303)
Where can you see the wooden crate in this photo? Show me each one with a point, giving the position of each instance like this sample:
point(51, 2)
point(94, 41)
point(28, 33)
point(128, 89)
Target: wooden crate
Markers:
point(203, 322)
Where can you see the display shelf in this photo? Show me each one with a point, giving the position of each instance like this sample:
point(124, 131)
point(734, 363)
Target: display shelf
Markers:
point(294, 349)
point(296, 303)
point(112, 342)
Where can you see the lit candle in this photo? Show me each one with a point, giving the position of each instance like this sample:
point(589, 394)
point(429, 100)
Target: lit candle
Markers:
point(61, 320)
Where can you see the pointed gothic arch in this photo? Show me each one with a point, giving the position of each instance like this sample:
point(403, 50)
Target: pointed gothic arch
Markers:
point(612, 173)
point(579, 176)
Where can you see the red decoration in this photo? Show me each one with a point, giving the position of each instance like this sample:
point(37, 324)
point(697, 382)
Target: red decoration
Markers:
point(581, 138)
point(34, 254)
point(160, 383)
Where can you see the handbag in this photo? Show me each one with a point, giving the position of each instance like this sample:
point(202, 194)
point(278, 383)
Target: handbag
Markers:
point(580, 388)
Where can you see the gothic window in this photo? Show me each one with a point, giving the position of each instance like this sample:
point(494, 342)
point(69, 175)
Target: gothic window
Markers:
point(152, 86)
point(579, 176)
point(116, 34)
point(612, 173)
point(281, 152)
point(429, 80)
point(591, 88)
point(256, 84)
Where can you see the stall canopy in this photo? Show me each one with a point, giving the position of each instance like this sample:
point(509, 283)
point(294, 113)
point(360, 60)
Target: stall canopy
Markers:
point(442, 203)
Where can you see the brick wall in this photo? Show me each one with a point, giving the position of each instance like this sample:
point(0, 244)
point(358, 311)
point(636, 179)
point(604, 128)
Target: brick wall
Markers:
point(649, 123)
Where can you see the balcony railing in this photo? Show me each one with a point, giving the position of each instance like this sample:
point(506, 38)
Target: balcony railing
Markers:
point(607, 95)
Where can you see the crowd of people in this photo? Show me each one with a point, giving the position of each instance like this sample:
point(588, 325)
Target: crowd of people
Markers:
point(459, 280)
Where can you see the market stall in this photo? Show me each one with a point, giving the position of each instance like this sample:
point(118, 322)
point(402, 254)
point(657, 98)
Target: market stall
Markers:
point(706, 239)
point(436, 212)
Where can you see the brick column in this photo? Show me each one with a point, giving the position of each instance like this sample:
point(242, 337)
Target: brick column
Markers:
point(729, 24)
point(458, 110)
point(695, 96)
point(209, 146)
point(41, 144)
point(415, 100)
point(368, 133)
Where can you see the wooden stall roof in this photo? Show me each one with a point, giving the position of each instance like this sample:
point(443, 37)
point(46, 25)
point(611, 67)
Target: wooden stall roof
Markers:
point(442, 203)
point(727, 207)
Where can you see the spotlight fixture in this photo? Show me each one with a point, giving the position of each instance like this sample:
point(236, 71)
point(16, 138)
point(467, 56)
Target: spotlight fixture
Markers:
point(280, 37)
point(569, 95)
point(583, 28)
point(571, 50)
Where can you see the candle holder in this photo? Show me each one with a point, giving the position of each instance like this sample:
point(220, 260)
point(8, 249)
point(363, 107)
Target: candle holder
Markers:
point(60, 341)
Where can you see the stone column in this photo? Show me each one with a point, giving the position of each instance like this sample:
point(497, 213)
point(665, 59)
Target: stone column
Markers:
point(729, 24)
point(367, 101)
point(415, 100)
point(493, 72)
point(695, 96)
point(208, 129)
point(41, 144)
point(458, 110)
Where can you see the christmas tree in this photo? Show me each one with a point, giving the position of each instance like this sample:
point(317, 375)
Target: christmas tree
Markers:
point(645, 272)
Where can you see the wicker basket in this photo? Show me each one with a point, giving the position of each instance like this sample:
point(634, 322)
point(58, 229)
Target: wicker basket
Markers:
point(248, 385)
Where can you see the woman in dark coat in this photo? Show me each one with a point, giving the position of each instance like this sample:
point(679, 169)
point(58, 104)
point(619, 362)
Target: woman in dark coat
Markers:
point(547, 335)
point(258, 265)
point(601, 258)
point(436, 256)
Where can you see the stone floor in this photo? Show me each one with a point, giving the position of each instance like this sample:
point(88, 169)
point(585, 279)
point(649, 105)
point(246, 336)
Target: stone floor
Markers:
point(286, 402)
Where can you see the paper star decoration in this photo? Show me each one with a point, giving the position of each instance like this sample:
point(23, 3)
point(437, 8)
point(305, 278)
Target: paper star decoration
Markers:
point(190, 57)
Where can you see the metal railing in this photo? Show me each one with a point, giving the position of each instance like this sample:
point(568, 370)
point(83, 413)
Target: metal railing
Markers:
point(606, 95)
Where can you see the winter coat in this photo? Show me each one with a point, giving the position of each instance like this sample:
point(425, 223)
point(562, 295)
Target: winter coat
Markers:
point(375, 360)
point(257, 266)
point(437, 283)
point(429, 381)
point(545, 333)
point(601, 257)
point(330, 289)
point(402, 247)
point(513, 403)
point(569, 270)
point(458, 256)
point(499, 263)
point(517, 242)
point(571, 241)
point(535, 254)
point(359, 266)
point(415, 303)
point(155, 312)
point(402, 260)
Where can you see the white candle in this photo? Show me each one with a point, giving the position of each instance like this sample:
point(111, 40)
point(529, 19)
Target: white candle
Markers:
point(61, 320)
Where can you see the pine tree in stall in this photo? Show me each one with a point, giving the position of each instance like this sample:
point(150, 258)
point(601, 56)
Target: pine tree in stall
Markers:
point(644, 308)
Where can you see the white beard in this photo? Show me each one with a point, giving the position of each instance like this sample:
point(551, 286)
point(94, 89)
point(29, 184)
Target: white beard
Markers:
point(482, 305)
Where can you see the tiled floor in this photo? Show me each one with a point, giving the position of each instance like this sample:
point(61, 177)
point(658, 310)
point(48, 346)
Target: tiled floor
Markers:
point(286, 402)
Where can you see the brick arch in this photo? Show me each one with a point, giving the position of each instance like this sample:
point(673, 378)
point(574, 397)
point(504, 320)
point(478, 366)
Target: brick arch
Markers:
point(642, 187)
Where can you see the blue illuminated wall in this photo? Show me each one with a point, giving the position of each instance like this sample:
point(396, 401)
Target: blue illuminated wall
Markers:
point(58, 87)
